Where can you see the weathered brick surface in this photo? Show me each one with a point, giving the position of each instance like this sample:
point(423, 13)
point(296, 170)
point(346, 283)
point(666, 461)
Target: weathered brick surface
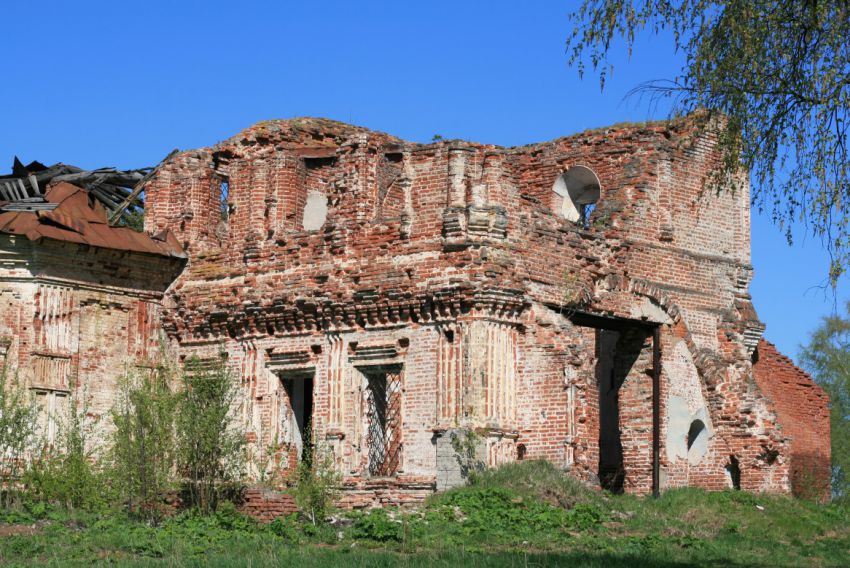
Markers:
point(803, 413)
point(266, 504)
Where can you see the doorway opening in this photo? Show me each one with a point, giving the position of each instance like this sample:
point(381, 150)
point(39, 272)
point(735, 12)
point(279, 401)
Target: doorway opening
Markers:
point(299, 392)
point(617, 351)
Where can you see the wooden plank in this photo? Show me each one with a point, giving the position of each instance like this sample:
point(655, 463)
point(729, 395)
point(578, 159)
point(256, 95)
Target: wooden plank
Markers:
point(22, 189)
point(34, 184)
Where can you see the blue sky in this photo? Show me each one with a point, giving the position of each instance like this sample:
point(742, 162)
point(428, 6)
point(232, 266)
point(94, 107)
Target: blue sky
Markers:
point(123, 83)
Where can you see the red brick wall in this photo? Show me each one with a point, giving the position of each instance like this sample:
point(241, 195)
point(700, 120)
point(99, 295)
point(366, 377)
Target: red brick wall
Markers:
point(802, 408)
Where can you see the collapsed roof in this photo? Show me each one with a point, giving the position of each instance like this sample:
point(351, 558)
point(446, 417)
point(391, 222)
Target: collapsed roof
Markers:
point(70, 214)
point(117, 190)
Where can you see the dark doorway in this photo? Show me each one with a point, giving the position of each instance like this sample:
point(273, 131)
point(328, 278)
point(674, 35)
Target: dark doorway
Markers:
point(299, 391)
point(616, 353)
point(611, 471)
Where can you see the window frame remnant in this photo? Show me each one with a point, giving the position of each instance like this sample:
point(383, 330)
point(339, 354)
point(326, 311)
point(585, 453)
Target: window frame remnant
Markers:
point(49, 419)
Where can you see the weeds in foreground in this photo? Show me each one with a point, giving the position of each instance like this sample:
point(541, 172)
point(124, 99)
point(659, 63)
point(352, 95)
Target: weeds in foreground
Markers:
point(475, 526)
point(66, 472)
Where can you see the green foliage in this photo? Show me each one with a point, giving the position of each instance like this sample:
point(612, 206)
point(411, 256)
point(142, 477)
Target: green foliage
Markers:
point(286, 527)
point(143, 441)
point(209, 440)
point(378, 526)
point(67, 473)
point(683, 528)
point(133, 219)
point(827, 358)
point(777, 70)
point(18, 424)
point(315, 484)
point(503, 512)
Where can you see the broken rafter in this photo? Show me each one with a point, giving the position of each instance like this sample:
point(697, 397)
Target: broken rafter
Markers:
point(137, 190)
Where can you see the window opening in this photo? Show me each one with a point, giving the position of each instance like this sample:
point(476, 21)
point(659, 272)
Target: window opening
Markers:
point(299, 392)
point(578, 190)
point(695, 431)
point(383, 415)
point(585, 210)
point(224, 199)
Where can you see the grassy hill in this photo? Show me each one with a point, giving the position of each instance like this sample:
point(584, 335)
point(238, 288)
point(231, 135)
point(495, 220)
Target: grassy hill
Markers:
point(526, 514)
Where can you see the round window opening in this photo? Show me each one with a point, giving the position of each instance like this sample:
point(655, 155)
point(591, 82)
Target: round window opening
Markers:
point(578, 189)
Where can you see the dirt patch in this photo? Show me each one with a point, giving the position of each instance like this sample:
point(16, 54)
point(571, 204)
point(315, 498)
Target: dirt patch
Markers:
point(19, 530)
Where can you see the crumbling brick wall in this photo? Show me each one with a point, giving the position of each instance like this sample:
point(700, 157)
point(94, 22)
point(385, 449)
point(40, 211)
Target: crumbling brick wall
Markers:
point(803, 413)
point(345, 254)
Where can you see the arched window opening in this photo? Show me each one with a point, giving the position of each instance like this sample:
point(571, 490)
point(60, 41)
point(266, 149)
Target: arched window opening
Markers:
point(578, 190)
point(696, 430)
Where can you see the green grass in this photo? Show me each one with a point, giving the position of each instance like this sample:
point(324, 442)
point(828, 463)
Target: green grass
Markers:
point(523, 515)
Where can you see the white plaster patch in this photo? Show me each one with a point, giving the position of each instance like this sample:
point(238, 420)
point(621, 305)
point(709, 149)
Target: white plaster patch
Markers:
point(315, 211)
point(650, 311)
point(685, 405)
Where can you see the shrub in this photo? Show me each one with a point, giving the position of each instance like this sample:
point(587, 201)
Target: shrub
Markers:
point(66, 474)
point(285, 527)
point(377, 526)
point(143, 441)
point(18, 420)
point(209, 440)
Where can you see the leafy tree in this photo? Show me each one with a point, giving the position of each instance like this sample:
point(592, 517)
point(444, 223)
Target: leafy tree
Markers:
point(210, 442)
point(133, 219)
point(778, 70)
point(827, 358)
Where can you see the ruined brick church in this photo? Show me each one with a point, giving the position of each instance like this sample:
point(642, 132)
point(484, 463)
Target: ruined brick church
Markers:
point(583, 300)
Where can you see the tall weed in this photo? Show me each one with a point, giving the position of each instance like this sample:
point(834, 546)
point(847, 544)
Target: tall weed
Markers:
point(67, 473)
